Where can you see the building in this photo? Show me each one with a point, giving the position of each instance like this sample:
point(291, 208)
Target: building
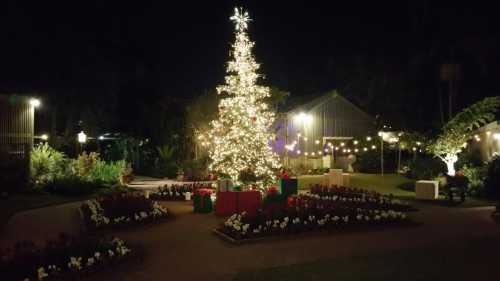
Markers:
point(17, 115)
point(486, 141)
point(304, 133)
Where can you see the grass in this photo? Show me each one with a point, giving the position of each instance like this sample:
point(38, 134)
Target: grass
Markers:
point(474, 259)
point(388, 184)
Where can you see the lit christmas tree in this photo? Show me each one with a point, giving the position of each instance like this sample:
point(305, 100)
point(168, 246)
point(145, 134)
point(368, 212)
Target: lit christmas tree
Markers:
point(240, 136)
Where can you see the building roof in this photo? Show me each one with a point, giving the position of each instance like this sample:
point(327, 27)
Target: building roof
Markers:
point(330, 96)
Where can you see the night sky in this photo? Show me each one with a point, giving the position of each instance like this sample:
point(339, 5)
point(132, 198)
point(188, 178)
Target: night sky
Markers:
point(166, 49)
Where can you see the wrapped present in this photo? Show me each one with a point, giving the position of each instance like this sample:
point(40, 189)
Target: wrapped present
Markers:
point(229, 203)
point(288, 187)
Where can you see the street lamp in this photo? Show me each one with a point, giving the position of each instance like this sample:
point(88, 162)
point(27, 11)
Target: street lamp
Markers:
point(82, 137)
point(34, 102)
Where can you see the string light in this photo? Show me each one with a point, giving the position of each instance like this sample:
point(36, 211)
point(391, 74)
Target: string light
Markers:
point(355, 142)
point(365, 149)
point(316, 141)
point(342, 144)
point(368, 138)
point(239, 137)
point(374, 147)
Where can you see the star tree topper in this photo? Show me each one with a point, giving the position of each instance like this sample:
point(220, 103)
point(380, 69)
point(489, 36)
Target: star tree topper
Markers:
point(240, 19)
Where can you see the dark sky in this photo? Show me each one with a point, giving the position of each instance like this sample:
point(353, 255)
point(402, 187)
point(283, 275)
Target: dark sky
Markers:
point(179, 48)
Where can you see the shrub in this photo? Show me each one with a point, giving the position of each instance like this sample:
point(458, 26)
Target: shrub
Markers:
point(492, 181)
point(476, 177)
point(424, 168)
point(71, 186)
point(195, 170)
point(90, 167)
point(46, 164)
point(369, 162)
point(108, 173)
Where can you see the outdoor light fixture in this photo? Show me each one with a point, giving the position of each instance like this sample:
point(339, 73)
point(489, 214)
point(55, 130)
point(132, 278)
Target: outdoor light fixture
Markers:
point(35, 102)
point(303, 118)
point(44, 137)
point(496, 136)
point(82, 137)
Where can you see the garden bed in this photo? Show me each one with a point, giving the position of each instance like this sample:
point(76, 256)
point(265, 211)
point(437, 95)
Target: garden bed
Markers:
point(326, 210)
point(121, 210)
point(177, 192)
point(67, 258)
point(318, 233)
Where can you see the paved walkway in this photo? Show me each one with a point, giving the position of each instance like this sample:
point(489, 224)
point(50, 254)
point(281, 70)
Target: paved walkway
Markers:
point(185, 248)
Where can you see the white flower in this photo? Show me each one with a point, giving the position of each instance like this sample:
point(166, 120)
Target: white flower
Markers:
point(245, 227)
point(143, 214)
point(90, 261)
point(75, 263)
point(111, 253)
point(41, 273)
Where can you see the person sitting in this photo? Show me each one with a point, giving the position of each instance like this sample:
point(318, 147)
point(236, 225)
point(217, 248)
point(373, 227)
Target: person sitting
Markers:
point(457, 184)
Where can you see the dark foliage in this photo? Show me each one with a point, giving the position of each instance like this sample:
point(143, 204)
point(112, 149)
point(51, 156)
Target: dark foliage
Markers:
point(72, 186)
point(492, 182)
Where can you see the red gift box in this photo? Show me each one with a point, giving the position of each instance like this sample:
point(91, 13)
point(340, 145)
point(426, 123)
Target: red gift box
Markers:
point(230, 202)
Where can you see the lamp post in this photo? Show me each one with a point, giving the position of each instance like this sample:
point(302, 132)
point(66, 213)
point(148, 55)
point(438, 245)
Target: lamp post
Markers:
point(82, 139)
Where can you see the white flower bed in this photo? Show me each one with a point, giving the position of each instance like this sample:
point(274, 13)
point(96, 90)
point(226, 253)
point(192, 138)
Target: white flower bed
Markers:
point(78, 264)
point(99, 219)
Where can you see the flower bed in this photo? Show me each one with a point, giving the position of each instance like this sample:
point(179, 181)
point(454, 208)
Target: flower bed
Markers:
point(176, 192)
point(313, 212)
point(64, 259)
point(359, 198)
point(121, 209)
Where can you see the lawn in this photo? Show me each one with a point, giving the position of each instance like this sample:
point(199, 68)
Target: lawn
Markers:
point(388, 184)
point(474, 259)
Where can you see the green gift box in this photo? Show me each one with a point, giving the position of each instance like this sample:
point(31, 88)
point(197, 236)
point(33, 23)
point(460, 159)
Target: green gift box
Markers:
point(288, 187)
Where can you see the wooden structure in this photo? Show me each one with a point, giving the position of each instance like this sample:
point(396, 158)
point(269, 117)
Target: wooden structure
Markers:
point(16, 140)
point(326, 118)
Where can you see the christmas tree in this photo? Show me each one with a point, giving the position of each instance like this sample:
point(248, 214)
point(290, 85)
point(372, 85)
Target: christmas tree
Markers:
point(240, 136)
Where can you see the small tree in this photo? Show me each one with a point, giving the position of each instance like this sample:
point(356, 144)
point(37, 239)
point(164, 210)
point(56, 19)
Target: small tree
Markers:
point(458, 131)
